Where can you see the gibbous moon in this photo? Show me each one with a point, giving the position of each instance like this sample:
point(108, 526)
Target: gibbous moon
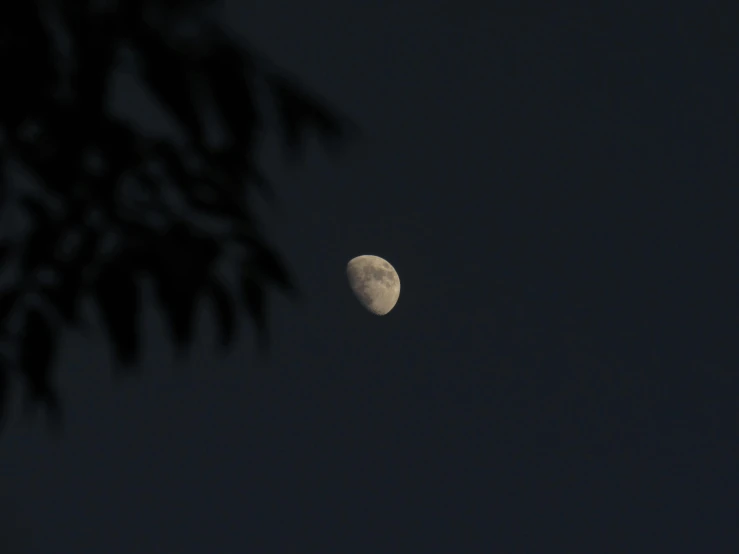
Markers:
point(374, 282)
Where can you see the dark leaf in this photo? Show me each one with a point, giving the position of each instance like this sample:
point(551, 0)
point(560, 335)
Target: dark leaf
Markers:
point(120, 151)
point(255, 302)
point(28, 43)
point(220, 206)
point(4, 391)
point(258, 180)
point(178, 300)
point(179, 235)
point(65, 295)
point(8, 298)
point(37, 350)
point(267, 263)
point(88, 248)
point(118, 298)
point(5, 248)
point(300, 112)
point(151, 186)
point(204, 251)
point(224, 310)
point(174, 164)
point(227, 71)
point(39, 247)
point(166, 74)
point(70, 15)
point(95, 51)
point(36, 209)
point(179, 280)
point(3, 174)
point(139, 255)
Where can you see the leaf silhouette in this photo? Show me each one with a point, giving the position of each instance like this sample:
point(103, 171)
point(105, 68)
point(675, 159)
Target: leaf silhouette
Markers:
point(178, 297)
point(4, 391)
point(86, 251)
point(25, 37)
point(39, 247)
point(226, 69)
point(254, 298)
point(299, 112)
point(110, 195)
point(96, 51)
point(4, 251)
point(175, 165)
point(3, 178)
point(36, 209)
point(8, 298)
point(64, 297)
point(118, 298)
point(38, 347)
point(166, 74)
point(180, 277)
point(224, 311)
point(267, 263)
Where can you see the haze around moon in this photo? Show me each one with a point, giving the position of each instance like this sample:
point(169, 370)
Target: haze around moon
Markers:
point(374, 282)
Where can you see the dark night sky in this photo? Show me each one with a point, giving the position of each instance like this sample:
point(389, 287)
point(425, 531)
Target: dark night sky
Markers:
point(559, 195)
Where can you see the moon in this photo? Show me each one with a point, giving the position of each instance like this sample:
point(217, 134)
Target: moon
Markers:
point(374, 282)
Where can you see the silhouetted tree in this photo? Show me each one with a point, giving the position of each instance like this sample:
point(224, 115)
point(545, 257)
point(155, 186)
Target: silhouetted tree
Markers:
point(110, 204)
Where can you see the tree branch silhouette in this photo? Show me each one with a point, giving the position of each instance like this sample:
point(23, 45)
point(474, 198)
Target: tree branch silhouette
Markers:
point(111, 205)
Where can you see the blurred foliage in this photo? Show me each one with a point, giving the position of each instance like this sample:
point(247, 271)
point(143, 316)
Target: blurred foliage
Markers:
point(110, 204)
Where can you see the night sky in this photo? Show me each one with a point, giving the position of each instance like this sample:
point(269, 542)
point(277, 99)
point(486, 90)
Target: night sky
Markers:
point(559, 195)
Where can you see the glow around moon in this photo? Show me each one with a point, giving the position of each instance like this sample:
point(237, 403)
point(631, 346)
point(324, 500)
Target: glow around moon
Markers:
point(374, 282)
